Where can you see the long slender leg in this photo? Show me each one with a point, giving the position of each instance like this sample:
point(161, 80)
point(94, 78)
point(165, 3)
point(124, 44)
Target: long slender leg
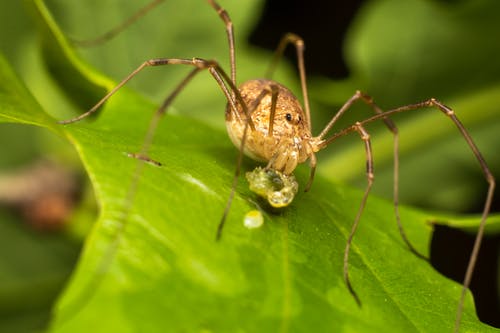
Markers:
point(213, 67)
point(230, 36)
point(149, 7)
point(392, 127)
point(229, 202)
point(358, 95)
point(483, 165)
point(272, 114)
point(148, 63)
point(119, 28)
point(312, 164)
point(369, 176)
point(299, 46)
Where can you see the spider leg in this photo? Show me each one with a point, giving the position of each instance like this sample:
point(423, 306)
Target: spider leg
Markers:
point(299, 46)
point(433, 103)
point(213, 67)
point(141, 12)
point(380, 114)
point(230, 36)
point(489, 197)
point(108, 35)
point(274, 99)
point(370, 177)
point(312, 163)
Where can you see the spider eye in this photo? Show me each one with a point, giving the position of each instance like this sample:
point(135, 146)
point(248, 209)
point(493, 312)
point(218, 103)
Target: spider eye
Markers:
point(288, 117)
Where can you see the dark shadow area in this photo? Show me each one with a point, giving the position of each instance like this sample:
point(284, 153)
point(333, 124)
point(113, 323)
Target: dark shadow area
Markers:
point(450, 252)
point(322, 25)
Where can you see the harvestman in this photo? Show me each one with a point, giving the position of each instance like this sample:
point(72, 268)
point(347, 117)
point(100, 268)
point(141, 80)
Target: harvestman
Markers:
point(267, 122)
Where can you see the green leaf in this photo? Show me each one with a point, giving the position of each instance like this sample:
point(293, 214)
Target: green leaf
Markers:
point(151, 262)
point(17, 103)
point(160, 257)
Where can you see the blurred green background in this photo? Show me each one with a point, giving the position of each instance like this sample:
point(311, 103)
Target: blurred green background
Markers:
point(398, 52)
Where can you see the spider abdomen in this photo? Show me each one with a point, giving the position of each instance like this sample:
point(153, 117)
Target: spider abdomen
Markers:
point(282, 139)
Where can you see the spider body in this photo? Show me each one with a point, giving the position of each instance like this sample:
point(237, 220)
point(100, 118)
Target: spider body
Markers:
point(281, 135)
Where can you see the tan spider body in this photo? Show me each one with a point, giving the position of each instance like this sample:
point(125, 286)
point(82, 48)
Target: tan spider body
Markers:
point(283, 140)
